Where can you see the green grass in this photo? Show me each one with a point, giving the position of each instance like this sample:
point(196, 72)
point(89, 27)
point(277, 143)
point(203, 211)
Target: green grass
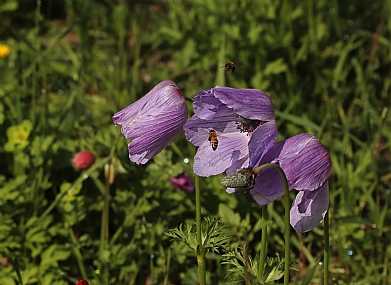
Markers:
point(325, 64)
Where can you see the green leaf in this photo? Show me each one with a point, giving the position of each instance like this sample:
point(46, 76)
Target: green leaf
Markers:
point(276, 67)
point(9, 6)
point(52, 255)
point(229, 217)
point(17, 270)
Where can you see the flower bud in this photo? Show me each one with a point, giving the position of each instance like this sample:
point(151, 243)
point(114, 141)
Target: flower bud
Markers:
point(83, 160)
point(243, 178)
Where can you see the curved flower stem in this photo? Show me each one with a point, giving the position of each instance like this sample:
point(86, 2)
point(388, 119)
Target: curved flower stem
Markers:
point(200, 252)
point(262, 254)
point(287, 216)
point(326, 249)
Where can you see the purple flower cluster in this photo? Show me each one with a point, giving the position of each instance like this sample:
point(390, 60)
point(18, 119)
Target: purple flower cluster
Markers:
point(233, 129)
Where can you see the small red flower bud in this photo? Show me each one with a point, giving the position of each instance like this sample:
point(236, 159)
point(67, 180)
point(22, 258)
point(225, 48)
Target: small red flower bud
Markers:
point(82, 282)
point(83, 160)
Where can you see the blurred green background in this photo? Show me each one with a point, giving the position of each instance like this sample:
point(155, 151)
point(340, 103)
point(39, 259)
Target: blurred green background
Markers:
point(72, 64)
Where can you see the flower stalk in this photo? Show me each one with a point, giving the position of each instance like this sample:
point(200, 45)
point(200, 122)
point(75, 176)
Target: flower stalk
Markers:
point(200, 253)
point(287, 215)
point(326, 249)
point(262, 255)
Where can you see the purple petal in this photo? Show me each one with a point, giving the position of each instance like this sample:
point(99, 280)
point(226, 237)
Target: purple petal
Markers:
point(250, 103)
point(197, 130)
point(231, 148)
point(207, 106)
point(305, 161)
point(182, 182)
point(268, 186)
point(152, 133)
point(262, 139)
point(152, 121)
point(164, 94)
point(309, 208)
point(238, 164)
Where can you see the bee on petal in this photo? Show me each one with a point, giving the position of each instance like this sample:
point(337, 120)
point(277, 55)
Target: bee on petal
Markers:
point(213, 139)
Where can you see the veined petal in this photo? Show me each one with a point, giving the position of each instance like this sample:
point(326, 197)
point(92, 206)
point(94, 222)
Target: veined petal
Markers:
point(309, 208)
point(207, 106)
point(262, 139)
point(305, 162)
point(231, 147)
point(153, 132)
point(268, 186)
point(239, 164)
point(163, 95)
point(250, 103)
point(153, 121)
point(197, 129)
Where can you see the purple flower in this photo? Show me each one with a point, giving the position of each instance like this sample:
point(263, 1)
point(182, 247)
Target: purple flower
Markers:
point(307, 167)
point(182, 182)
point(153, 121)
point(227, 124)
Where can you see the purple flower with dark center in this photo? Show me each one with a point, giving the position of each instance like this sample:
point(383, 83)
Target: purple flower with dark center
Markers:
point(226, 125)
point(153, 121)
point(307, 167)
point(182, 182)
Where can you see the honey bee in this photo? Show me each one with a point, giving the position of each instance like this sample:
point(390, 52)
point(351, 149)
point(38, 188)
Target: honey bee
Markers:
point(230, 66)
point(213, 139)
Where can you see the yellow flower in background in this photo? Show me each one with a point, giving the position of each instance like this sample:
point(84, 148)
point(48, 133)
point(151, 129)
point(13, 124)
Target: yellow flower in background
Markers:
point(4, 51)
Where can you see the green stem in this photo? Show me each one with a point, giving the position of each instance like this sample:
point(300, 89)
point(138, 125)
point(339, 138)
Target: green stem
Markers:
point(83, 176)
point(200, 252)
point(79, 256)
point(326, 249)
point(262, 255)
point(104, 237)
point(287, 228)
point(168, 266)
point(287, 215)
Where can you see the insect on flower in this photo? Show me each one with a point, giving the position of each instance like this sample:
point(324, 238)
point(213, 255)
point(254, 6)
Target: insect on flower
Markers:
point(214, 142)
point(223, 110)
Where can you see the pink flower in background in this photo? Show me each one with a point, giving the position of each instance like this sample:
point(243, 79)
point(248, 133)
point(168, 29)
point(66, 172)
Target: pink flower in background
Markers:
point(182, 182)
point(83, 160)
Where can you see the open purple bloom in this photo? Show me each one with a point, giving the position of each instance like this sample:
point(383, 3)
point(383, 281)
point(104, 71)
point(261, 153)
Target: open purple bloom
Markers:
point(307, 167)
point(228, 124)
point(182, 182)
point(153, 121)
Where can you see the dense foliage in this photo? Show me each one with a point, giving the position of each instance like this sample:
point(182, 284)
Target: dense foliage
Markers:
point(326, 65)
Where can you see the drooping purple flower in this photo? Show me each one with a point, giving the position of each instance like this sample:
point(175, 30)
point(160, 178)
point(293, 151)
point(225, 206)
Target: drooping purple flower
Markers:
point(226, 125)
point(153, 121)
point(182, 182)
point(307, 167)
